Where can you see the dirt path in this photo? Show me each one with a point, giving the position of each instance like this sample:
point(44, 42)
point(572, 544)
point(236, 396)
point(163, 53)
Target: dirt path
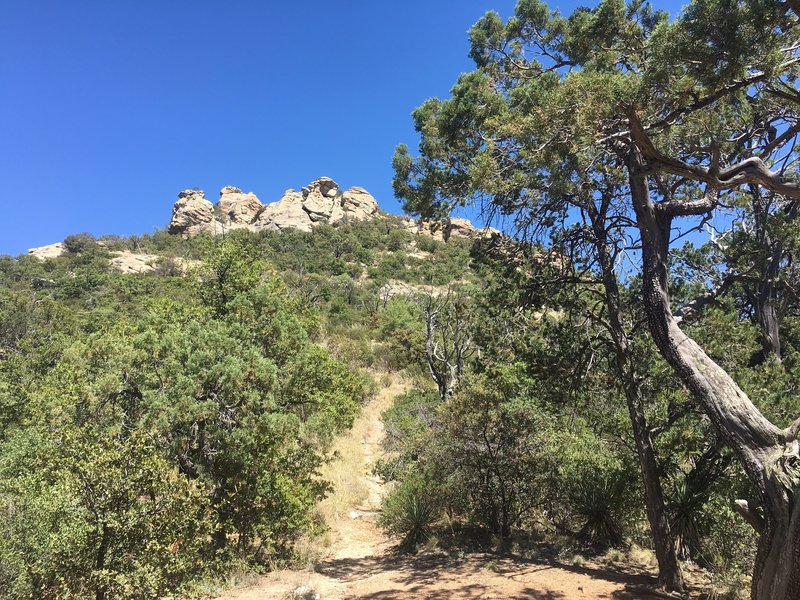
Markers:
point(362, 563)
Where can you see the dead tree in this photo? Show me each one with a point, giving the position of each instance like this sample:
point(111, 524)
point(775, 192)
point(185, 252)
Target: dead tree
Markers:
point(448, 340)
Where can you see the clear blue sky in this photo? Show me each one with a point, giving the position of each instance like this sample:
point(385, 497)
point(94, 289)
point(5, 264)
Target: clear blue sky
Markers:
point(109, 108)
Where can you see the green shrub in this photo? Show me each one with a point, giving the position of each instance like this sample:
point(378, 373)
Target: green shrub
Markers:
point(410, 510)
point(79, 242)
point(597, 487)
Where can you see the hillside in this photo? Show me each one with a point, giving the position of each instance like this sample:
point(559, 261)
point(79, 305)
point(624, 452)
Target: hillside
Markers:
point(133, 348)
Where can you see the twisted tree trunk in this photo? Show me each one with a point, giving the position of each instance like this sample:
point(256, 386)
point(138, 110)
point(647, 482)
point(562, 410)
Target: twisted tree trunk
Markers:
point(769, 455)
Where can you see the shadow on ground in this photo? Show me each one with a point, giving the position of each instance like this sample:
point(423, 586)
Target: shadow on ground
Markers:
point(441, 577)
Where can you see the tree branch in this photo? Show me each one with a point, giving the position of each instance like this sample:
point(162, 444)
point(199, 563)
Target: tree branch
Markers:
point(696, 305)
point(752, 517)
point(750, 170)
point(792, 431)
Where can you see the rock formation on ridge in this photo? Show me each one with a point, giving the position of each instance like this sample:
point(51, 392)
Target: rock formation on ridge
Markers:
point(322, 201)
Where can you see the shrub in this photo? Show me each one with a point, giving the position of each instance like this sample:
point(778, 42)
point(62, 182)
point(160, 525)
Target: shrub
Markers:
point(410, 510)
point(79, 242)
point(597, 487)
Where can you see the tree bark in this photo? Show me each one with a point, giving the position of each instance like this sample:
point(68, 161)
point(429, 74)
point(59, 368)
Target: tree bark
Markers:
point(765, 294)
point(769, 323)
point(669, 572)
point(769, 455)
point(100, 559)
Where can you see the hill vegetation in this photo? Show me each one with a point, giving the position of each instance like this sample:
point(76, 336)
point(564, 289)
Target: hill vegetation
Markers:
point(618, 370)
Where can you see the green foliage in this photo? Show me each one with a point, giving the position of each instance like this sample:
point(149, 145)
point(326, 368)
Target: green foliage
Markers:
point(402, 332)
point(156, 430)
point(96, 514)
point(597, 486)
point(410, 510)
point(80, 242)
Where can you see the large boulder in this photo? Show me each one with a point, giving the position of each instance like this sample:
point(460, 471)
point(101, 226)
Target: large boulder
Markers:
point(322, 200)
point(236, 209)
point(324, 186)
point(458, 227)
point(359, 205)
point(192, 214)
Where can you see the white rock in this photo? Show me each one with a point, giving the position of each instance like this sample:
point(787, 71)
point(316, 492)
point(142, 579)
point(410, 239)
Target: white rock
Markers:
point(286, 213)
point(192, 214)
point(359, 205)
point(49, 251)
point(131, 262)
point(236, 209)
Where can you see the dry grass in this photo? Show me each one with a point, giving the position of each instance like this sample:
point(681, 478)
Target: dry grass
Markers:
point(346, 473)
point(643, 557)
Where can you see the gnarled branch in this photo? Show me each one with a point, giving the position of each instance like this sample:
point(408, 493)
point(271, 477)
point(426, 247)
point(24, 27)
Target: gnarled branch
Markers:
point(751, 170)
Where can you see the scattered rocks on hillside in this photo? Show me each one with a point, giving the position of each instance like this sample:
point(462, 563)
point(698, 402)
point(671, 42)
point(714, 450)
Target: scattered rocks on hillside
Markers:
point(131, 262)
point(454, 227)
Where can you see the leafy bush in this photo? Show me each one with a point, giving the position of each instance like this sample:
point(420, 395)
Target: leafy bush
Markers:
point(155, 429)
point(597, 487)
point(410, 510)
point(80, 242)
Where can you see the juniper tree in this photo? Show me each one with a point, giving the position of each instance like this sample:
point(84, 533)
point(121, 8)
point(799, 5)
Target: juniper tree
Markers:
point(669, 119)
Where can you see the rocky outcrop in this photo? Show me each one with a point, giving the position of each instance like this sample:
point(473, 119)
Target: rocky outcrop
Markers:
point(322, 201)
point(454, 227)
point(192, 214)
point(49, 251)
point(359, 204)
point(236, 209)
point(286, 213)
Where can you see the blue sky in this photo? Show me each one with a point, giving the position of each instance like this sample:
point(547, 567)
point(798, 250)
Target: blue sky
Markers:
point(109, 109)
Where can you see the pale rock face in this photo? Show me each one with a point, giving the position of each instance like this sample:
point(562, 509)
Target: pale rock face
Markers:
point(236, 209)
point(321, 201)
point(324, 186)
point(434, 230)
point(319, 207)
point(358, 204)
point(192, 214)
point(49, 251)
point(286, 213)
point(130, 262)
point(458, 227)
point(453, 227)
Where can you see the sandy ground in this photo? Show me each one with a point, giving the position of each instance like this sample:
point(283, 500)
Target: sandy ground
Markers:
point(362, 563)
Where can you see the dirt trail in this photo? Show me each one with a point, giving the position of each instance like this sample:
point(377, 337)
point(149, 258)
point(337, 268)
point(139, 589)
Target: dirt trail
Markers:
point(362, 563)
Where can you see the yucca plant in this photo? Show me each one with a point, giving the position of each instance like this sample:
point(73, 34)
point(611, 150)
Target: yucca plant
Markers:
point(410, 510)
